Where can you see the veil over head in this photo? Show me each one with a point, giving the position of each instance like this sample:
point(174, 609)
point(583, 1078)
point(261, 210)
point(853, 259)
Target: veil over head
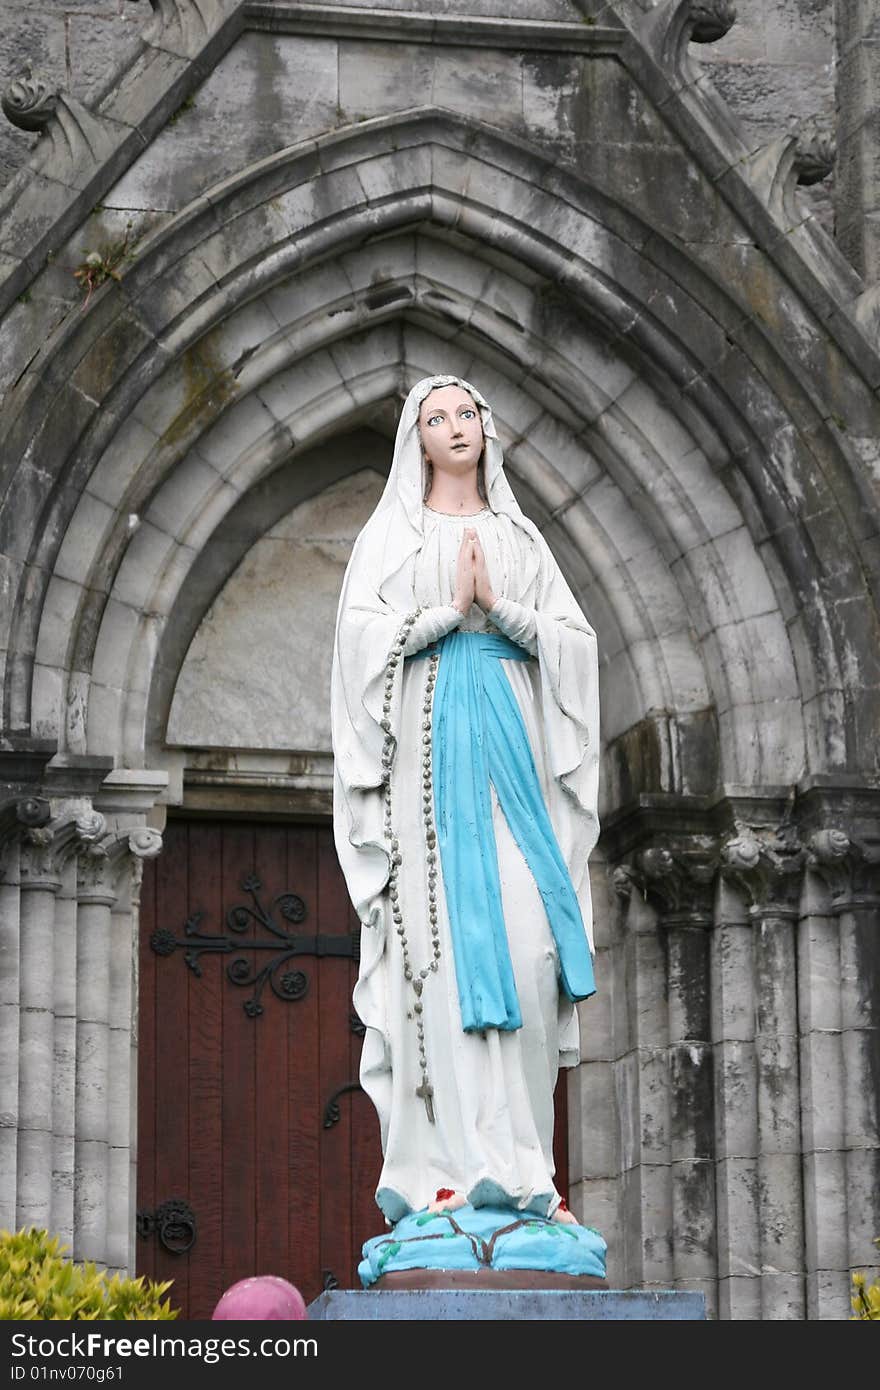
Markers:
point(398, 516)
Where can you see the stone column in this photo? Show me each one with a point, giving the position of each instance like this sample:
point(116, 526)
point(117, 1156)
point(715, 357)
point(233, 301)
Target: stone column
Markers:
point(850, 869)
point(736, 1107)
point(642, 1082)
point(822, 1083)
point(857, 190)
point(39, 881)
point(676, 877)
point(767, 866)
point(133, 849)
point(16, 816)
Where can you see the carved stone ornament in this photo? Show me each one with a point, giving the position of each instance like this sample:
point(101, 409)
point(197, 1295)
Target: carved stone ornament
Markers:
point(767, 864)
point(184, 24)
point(669, 27)
point(74, 138)
point(29, 103)
point(711, 20)
point(145, 842)
point(677, 876)
point(850, 868)
point(815, 153)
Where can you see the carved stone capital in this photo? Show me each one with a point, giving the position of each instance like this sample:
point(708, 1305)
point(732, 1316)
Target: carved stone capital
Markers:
point(850, 868)
point(767, 864)
point(676, 876)
point(104, 860)
point(39, 865)
point(96, 876)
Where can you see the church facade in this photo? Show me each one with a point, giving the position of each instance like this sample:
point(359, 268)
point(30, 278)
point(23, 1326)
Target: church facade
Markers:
point(220, 273)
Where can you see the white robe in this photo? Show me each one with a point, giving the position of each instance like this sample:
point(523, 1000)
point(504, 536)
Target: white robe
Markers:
point(493, 1093)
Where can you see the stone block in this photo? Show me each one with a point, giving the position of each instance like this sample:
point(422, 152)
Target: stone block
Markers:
point(593, 1086)
point(783, 1296)
point(35, 1069)
point(647, 1218)
point(693, 1220)
point(828, 1295)
point(120, 461)
point(46, 701)
point(377, 78)
point(144, 561)
point(860, 1091)
point(739, 1298)
point(479, 82)
point(736, 1195)
point(240, 427)
point(736, 1099)
point(90, 1199)
point(8, 1177)
point(34, 1173)
point(825, 1211)
point(781, 1212)
point(597, 1015)
point(821, 1067)
point(57, 621)
point(119, 630)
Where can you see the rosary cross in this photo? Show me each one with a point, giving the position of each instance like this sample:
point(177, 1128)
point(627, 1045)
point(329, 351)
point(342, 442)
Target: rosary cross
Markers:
point(425, 1092)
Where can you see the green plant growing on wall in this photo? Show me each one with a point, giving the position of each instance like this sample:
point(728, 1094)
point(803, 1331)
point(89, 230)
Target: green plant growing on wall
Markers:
point(102, 265)
point(38, 1283)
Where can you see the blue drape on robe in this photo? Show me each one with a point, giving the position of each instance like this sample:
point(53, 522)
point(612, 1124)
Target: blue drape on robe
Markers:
point(478, 738)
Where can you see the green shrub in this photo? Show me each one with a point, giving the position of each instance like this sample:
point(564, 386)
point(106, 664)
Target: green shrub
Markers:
point(865, 1297)
point(37, 1282)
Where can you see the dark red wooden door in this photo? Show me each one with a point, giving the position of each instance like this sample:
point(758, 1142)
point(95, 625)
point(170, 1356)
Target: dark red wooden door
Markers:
point(248, 1107)
point(243, 1057)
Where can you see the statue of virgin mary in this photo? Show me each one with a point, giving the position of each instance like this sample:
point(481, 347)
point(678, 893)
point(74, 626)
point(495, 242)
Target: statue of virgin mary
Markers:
point(465, 733)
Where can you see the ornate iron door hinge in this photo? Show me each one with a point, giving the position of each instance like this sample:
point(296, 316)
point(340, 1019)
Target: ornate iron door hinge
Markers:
point(174, 1222)
point(287, 984)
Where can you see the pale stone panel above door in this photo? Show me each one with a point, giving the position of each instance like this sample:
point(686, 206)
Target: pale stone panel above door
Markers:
point(257, 673)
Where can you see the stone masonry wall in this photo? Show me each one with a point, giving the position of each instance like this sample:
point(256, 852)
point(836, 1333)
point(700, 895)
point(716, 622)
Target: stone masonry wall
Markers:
point(774, 67)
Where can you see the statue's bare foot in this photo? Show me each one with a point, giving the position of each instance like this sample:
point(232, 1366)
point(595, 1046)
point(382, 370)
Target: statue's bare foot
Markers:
point(447, 1200)
point(564, 1216)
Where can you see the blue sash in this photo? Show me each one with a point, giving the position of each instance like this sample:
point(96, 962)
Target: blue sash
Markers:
point(479, 737)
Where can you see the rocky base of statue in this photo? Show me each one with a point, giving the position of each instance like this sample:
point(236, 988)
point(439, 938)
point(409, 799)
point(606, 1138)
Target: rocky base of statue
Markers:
point(484, 1247)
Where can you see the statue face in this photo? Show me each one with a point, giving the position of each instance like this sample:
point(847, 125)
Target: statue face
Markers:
point(451, 430)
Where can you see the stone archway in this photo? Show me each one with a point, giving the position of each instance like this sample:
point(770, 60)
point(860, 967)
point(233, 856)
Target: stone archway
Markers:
point(670, 377)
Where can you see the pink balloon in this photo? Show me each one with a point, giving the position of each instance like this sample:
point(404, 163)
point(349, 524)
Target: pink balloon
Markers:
point(262, 1298)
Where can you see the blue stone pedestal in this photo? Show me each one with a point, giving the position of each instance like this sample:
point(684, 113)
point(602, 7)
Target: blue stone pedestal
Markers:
point(509, 1305)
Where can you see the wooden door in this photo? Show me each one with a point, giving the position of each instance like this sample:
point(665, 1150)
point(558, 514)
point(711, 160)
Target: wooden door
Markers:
point(248, 1107)
point(249, 1112)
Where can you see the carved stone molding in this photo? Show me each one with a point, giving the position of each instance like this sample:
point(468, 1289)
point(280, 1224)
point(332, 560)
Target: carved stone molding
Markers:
point(184, 24)
point(667, 29)
point(74, 140)
point(767, 865)
point(850, 868)
point(677, 875)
